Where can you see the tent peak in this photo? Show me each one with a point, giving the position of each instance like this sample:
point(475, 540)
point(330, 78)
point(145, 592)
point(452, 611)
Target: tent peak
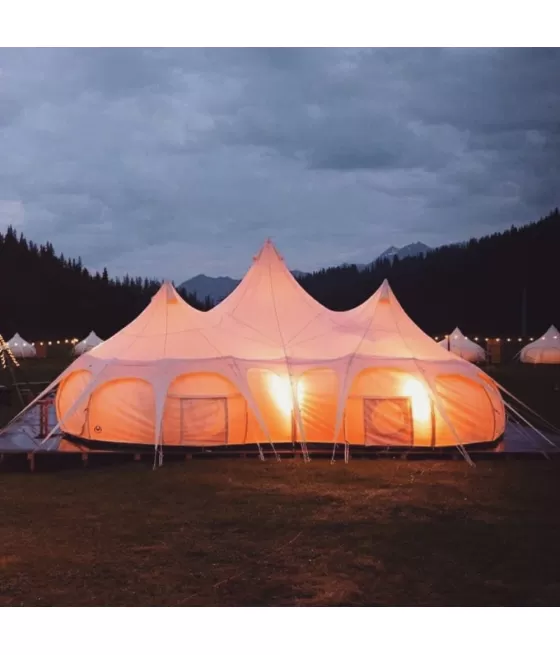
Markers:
point(168, 292)
point(268, 252)
point(385, 290)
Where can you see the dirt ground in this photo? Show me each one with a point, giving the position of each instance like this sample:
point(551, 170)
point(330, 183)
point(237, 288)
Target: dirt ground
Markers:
point(243, 532)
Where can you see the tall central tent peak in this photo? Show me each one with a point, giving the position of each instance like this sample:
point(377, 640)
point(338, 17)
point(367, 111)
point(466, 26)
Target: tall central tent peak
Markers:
point(268, 253)
point(268, 304)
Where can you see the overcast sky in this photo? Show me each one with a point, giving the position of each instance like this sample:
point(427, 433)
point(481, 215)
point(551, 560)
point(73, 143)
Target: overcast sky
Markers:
point(170, 163)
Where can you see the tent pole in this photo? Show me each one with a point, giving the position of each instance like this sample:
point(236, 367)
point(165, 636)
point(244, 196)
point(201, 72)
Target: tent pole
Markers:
point(16, 385)
point(524, 311)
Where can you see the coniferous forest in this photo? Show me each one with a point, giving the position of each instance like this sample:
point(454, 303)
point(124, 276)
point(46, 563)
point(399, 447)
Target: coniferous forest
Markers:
point(481, 285)
point(478, 285)
point(47, 296)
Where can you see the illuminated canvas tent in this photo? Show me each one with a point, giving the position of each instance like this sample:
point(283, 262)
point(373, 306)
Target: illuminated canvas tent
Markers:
point(401, 388)
point(21, 348)
point(545, 350)
point(91, 341)
point(270, 363)
point(461, 345)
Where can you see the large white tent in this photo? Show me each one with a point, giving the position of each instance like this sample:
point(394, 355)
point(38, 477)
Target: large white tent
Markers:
point(270, 363)
point(21, 348)
point(91, 341)
point(545, 350)
point(461, 345)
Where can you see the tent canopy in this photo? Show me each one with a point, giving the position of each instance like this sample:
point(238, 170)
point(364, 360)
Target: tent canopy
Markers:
point(91, 341)
point(545, 350)
point(461, 345)
point(270, 362)
point(20, 347)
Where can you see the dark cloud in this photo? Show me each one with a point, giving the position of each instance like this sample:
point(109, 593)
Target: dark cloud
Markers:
point(170, 162)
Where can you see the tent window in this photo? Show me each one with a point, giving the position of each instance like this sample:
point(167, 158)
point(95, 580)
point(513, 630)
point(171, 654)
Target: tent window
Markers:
point(203, 421)
point(388, 422)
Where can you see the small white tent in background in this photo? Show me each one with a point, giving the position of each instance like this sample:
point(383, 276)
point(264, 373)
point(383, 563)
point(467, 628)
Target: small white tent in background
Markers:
point(21, 348)
point(87, 344)
point(461, 345)
point(545, 350)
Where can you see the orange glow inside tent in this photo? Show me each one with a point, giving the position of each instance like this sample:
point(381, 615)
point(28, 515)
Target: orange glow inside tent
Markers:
point(369, 376)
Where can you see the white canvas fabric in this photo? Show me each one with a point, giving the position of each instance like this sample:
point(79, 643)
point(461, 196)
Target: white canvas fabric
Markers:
point(545, 350)
point(90, 342)
point(21, 348)
point(269, 363)
point(461, 345)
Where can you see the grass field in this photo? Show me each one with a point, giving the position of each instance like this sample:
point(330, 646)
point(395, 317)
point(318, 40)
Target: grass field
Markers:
point(249, 533)
point(242, 532)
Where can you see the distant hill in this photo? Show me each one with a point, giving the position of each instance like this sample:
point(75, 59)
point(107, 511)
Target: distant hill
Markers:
point(412, 250)
point(215, 289)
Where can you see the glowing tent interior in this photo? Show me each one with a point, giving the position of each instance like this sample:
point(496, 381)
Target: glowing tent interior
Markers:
point(461, 345)
point(21, 348)
point(545, 350)
point(83, 346)
point(270, 363)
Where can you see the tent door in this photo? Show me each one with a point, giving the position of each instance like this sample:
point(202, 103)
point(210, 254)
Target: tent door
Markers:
point(388, 422)
point(203, 421)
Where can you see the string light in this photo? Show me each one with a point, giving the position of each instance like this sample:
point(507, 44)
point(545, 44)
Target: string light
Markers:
point(497, 339)
point(58, 342)
point(5, 348)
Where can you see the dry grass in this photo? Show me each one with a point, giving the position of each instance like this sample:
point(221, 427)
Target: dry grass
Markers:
point(241, 532)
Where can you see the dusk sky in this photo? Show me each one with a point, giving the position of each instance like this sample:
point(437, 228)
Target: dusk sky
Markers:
point(169, 163)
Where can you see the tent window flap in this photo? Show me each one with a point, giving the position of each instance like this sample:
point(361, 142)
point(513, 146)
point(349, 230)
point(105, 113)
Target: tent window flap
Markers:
point(203, 421)
point(388, 422)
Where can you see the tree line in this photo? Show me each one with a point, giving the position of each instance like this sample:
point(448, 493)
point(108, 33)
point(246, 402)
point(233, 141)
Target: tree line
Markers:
point(49, 296)
point(499, 285)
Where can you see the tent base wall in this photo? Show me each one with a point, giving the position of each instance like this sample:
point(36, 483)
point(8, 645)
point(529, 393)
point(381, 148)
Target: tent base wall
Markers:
point(44, 462)
point(112, 446)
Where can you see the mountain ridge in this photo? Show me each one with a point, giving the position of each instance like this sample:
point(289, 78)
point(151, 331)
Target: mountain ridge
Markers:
point(218, 288)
